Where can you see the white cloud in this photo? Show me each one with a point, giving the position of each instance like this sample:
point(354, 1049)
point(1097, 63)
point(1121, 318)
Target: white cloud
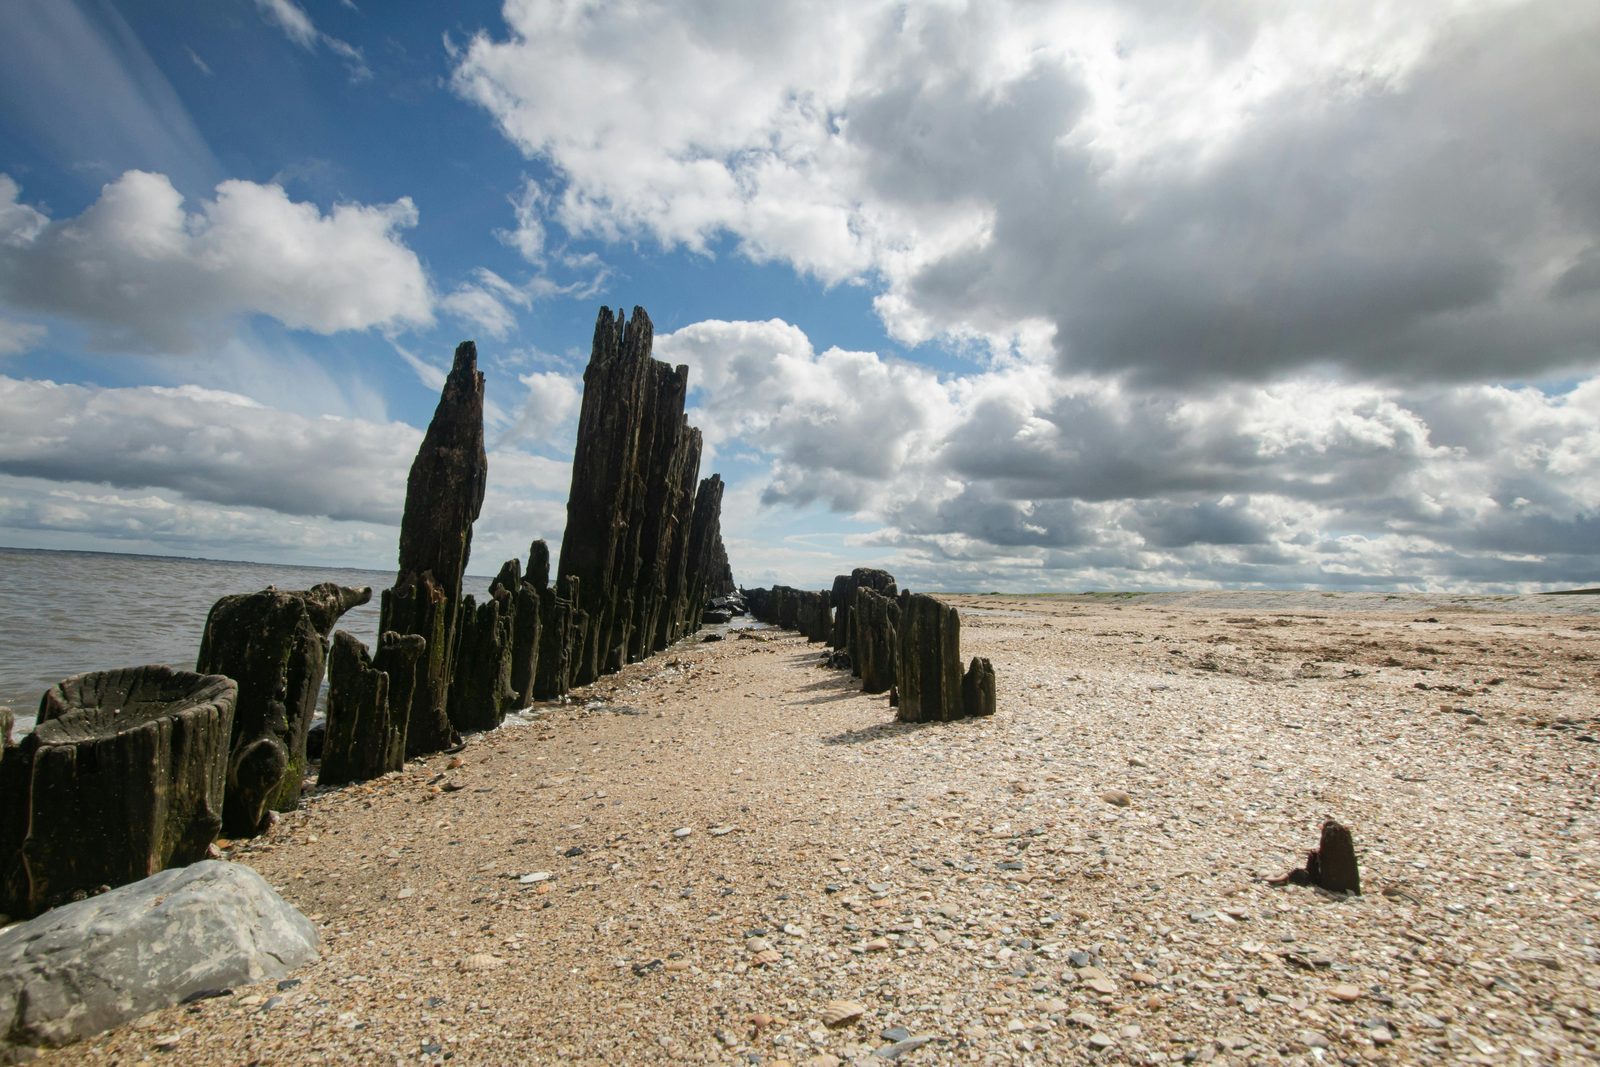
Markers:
point(145, 275)
point(204, 472)
point(1235, 192)
point(298, 27)
point(483, 302)
point(1018, 478)
point(549, 416)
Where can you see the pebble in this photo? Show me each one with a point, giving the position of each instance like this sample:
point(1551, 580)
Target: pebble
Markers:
point(1116, 798)
point(1345, 993)
point(901, 1047)
point(682, 832)
point(1101, 1041)
point(536, 876)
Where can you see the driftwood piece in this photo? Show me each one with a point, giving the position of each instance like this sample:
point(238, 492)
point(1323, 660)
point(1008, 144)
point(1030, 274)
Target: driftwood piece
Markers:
point(122, 778)
point(274, 644)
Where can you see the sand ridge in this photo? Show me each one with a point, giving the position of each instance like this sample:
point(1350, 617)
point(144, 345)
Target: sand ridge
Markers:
point(1080, 876)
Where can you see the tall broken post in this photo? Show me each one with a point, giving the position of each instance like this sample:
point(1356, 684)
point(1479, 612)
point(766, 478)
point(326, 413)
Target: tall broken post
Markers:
point(642, 547)
point(444, 494)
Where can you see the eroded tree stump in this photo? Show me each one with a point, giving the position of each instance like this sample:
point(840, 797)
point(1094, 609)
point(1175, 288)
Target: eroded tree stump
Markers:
point(123, 777)
point(480, 691)
point(1331, 865)
point(874, 640)
point(274, 644)
point(366, 734)
point(929, 663)
point(977, 688)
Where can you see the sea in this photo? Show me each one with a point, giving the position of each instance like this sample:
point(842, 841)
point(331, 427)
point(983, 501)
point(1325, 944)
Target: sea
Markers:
point(64, 613)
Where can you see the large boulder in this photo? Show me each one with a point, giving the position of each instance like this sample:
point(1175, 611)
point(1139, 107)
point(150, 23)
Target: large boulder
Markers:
point(122, 778)
point(275, 645)
point(86, 967)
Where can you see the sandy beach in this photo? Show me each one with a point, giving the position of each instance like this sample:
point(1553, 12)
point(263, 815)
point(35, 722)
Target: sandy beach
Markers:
point(696, 857)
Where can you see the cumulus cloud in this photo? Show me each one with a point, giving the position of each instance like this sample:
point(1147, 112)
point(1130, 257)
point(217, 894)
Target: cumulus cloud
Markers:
point(208, 472)
point(549, 415)
point(1019, 477)
point(144, 274)
point(1239, 193)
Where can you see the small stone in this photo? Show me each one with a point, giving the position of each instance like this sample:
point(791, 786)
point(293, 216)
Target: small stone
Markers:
point(877, 944)
point(170, 1041)
point(1080, 959)
point(536, 876)
point(895, 1033)
point(1101, 1041)
point(758, 944)
point(837, 1013)
point(767, 958)
point(1381, 1035)
point(1312, 1039)
point(405, 894)
point(1103, 986)
point(823, 1059)
point(1083, 1019)
point(682, 832)
point(900, 1048)
point(1116, 798)
point(573, 853)
point(1345, 993)
point(721, 831)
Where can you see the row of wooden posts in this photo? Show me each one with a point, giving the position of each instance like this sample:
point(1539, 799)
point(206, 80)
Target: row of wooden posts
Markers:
point(134, 770)
point(907, 644)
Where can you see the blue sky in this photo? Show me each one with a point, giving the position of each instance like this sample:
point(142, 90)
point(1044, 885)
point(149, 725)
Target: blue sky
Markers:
point(1095, 295)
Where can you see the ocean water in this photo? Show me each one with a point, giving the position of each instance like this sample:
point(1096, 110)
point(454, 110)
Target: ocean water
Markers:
point(64, 613)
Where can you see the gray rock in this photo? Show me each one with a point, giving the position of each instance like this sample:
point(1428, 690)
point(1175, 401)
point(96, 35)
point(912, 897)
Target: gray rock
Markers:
point(86, 967)
point(900, 1048)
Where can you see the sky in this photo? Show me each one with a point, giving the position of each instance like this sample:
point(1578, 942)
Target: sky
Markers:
point(998, 295)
